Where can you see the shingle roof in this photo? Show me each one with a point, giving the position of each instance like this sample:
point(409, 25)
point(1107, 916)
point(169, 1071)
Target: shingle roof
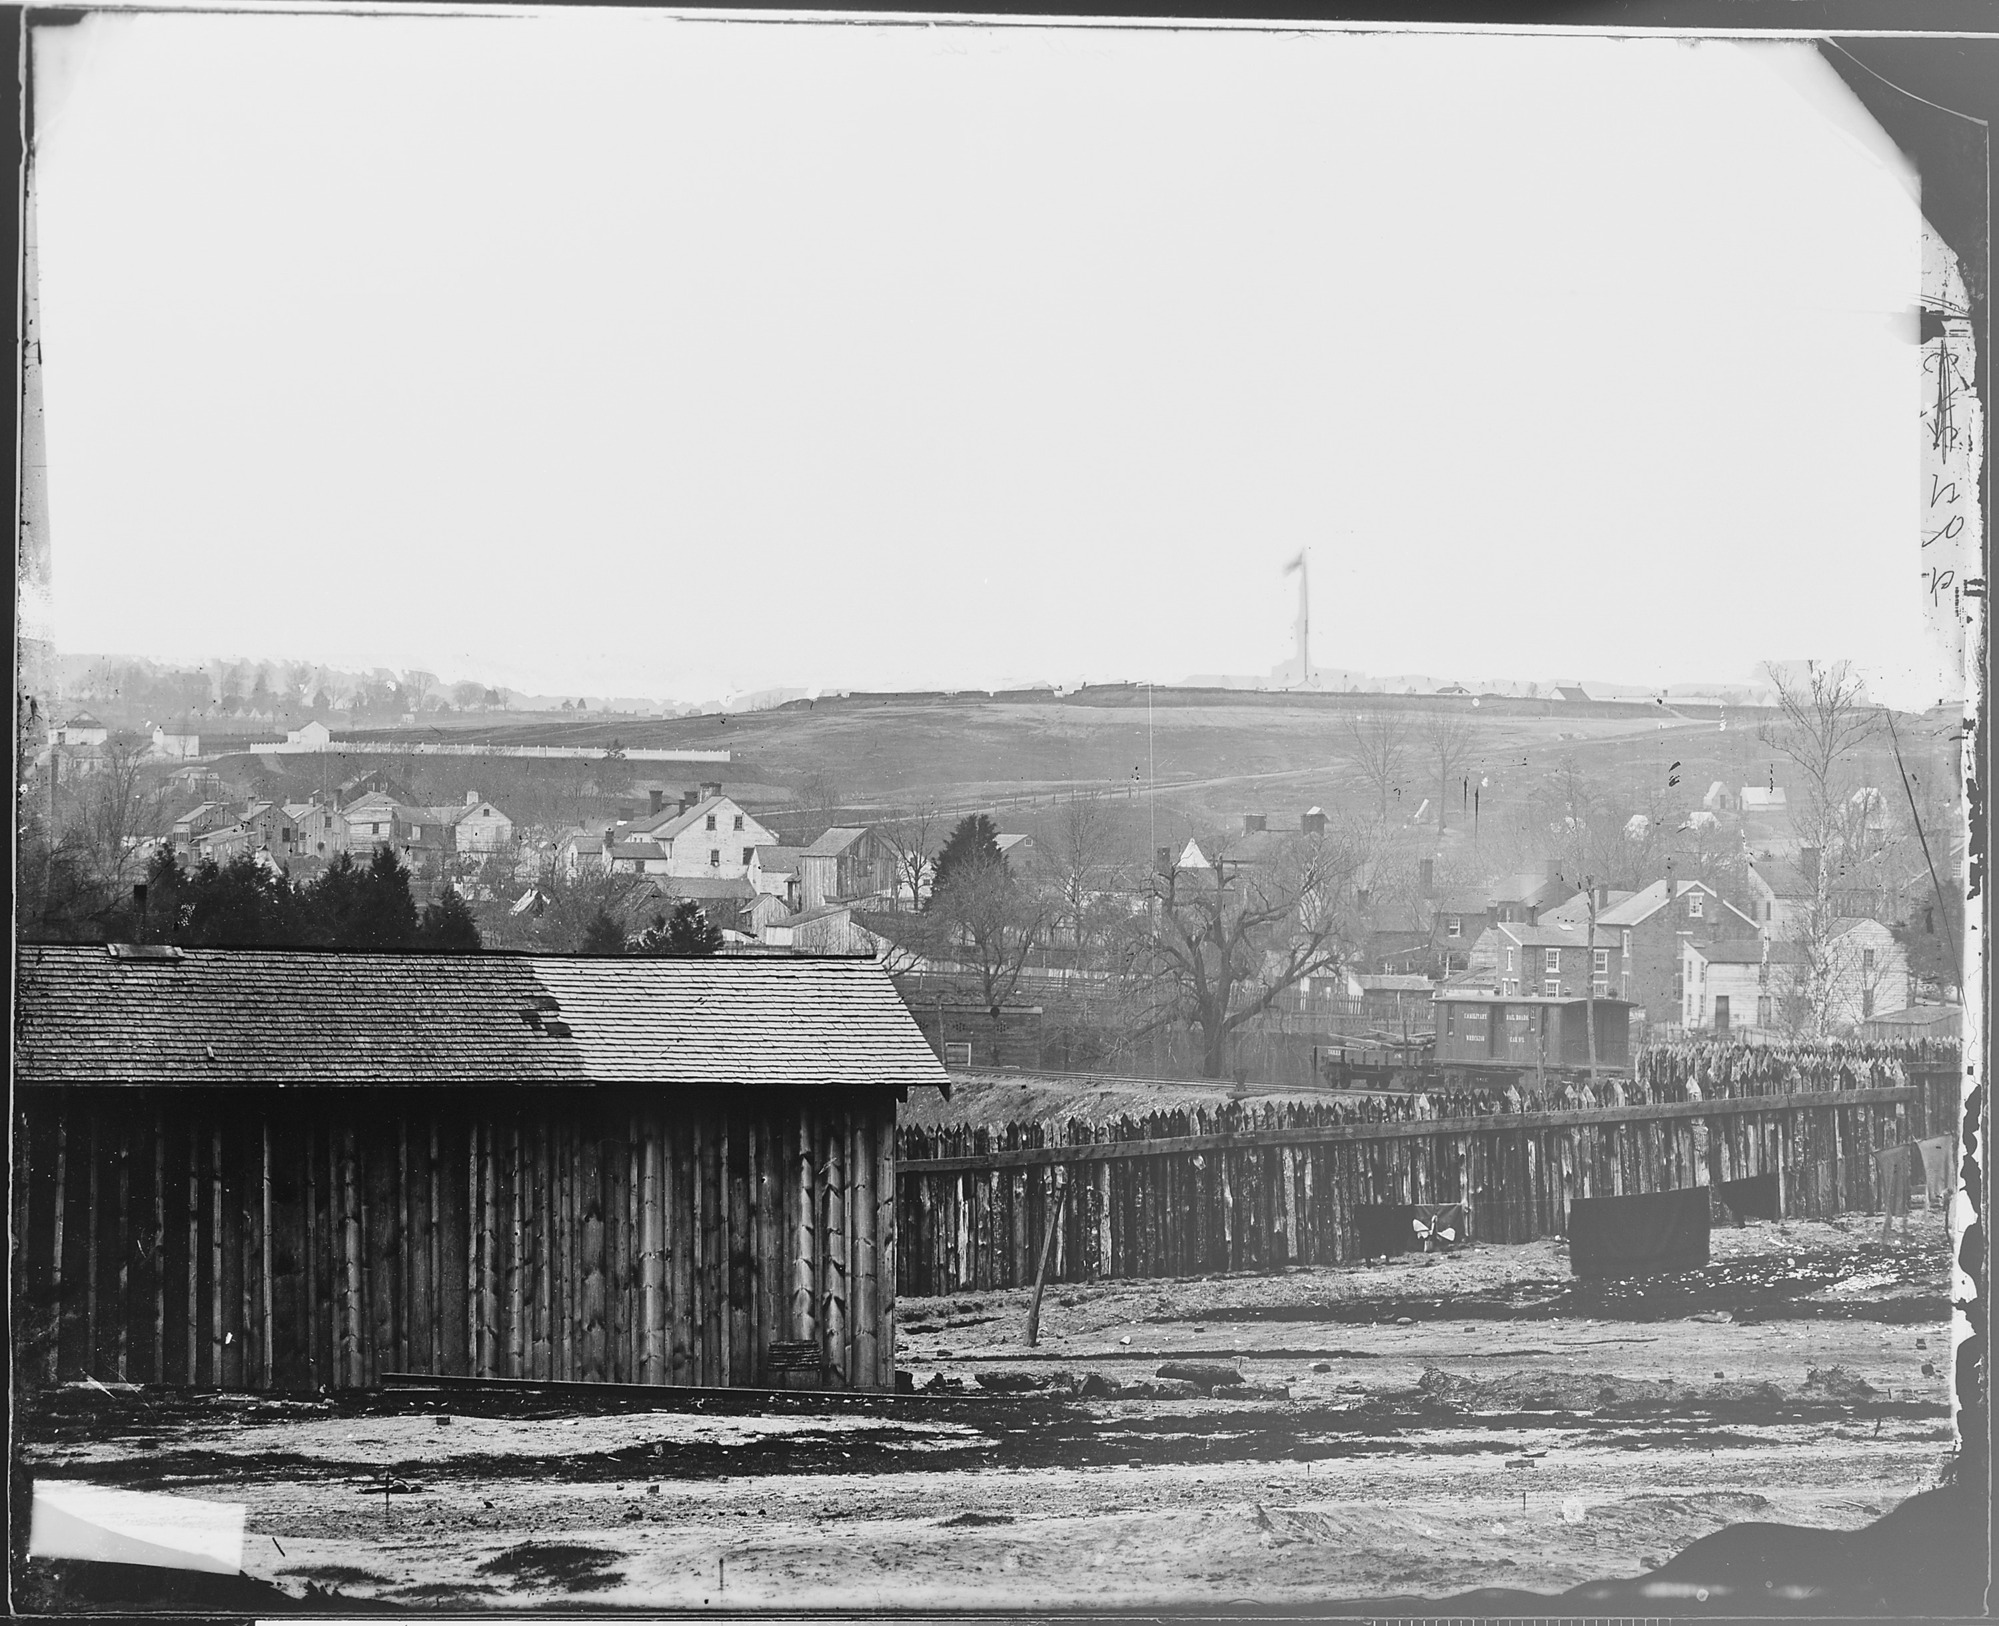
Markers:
point(778, 860)
point(835, 841)
point(262, 1017)
point(1749, 952)
point(667, 828)
point(702, 888)
point(1576, 936)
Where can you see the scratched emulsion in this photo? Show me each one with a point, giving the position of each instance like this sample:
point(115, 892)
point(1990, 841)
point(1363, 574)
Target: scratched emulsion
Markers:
point(1953, 589)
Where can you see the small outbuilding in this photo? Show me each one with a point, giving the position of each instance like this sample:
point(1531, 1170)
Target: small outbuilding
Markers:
point(282, 1169)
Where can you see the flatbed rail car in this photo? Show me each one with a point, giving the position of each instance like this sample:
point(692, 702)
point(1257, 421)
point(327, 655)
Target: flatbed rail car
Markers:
point(1386, 1065)
point(1484, 1036)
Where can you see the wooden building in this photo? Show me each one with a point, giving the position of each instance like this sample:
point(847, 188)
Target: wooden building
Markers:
point(1481, 1030)
point(284, 1170)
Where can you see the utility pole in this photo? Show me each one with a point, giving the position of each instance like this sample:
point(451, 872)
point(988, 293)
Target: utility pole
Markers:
point(1589, 1017)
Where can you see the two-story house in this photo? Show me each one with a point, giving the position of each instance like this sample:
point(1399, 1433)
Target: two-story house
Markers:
point(1651, 925)
point(482, 828)
point(1553, 962)
point(1763, 982)
point(712, 835)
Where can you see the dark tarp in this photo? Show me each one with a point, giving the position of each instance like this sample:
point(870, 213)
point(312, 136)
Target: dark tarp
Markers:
point(1639, 1236)
point(1753, 1198)
point(1394, 1227)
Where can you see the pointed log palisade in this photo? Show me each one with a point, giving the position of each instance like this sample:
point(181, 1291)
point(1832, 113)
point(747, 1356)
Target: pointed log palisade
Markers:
point(282, 1170)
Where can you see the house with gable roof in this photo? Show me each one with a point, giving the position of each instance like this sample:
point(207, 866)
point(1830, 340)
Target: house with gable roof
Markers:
point(1652, 925)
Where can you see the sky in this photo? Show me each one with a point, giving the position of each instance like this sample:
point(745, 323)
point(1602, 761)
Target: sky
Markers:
point(621, 352)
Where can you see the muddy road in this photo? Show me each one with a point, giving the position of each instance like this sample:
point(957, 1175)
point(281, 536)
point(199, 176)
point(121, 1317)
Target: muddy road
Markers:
point(1423, 1426)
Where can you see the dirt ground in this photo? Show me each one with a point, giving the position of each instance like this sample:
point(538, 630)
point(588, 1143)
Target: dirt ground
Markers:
point(1425, 1426)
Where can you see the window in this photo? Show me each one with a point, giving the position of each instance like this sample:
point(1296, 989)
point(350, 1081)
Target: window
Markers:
point(748, 854)
point(1867, 961)
point(1602, 966)
point(1693, 906)
point(1763, 1011)
point(738, 824)
point(1600, 986)
point(1867, 1002)
point(1679, 984)
point(1551, 987)
point(1763, 974)
point(711, 821)
point(1627, 945)
point(1509, 960)
point(1454, 925)
point(957, 1055)
point(714, 857)
point(1554, 965)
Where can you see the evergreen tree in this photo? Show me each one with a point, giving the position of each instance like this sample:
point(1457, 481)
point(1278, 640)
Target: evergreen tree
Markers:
point(603, 935)
point(240, 904)
point(973, 846)
point(447, 927)
point(688, 935)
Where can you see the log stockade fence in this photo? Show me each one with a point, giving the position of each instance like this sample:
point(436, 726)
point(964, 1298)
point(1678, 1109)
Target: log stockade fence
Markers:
point(1208, 1190)
point(218, 1242)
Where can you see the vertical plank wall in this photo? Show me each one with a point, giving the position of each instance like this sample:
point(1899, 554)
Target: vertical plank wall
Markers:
point(290, 1241)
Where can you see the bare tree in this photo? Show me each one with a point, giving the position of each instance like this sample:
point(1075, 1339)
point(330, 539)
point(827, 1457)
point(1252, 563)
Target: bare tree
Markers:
point(1080, 855)
point(990, 919)
point(1221, 946)
point(1377, 749)
point(1824, 718)
point(911, 843)
point(418, 688)
point(1447, 741)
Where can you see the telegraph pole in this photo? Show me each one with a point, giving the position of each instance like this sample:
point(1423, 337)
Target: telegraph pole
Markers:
point(1590, 998)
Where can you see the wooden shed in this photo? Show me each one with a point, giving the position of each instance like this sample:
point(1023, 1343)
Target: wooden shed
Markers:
point(283, 1169)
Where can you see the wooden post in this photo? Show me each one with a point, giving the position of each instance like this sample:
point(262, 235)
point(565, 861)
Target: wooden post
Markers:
point(218, 1325)
point(53, 1361)
point(1041, 1270)
point(159, 1247)
point(861, 1176)
point(839, 1356)
point(266, 1330)
point(91, 1221)
point(347, 1367)
point(886, 1246)
point(652, 1311)
point(123, 1247)
point(805, 1231)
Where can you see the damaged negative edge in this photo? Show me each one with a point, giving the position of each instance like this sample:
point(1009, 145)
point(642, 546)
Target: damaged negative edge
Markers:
point(1954, 583)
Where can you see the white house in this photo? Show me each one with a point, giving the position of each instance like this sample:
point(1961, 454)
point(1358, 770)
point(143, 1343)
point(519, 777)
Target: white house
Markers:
point(314, 734)
point(713, 837)
point(175, 747)
point(482, 827)
point(1759, 982)
point(81, 729)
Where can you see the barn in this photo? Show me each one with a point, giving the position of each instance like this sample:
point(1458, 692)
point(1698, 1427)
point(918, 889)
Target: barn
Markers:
point(287, 1170)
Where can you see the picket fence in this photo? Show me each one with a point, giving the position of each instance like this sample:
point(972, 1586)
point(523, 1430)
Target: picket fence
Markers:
point(1195, 1192)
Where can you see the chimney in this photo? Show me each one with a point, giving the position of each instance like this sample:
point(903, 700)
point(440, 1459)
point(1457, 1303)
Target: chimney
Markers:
point(1162, 860)
point(1360, 895)
point(1426, 875)
point(1602, 899)
point(471, 798)
point(687, 800)
point(139, 902)
point(1314, 822)
point(710, 787)
point(1808, 864)
point(655, 800)
point(1252, 824)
